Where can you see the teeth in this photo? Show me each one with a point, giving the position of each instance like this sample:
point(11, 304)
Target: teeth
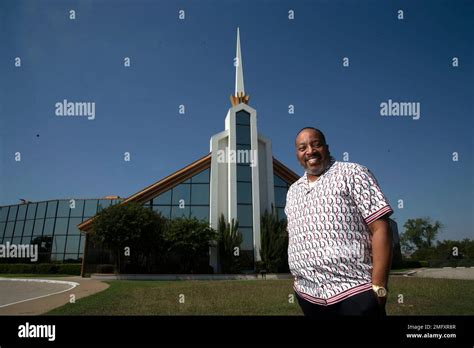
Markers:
point(313, 160)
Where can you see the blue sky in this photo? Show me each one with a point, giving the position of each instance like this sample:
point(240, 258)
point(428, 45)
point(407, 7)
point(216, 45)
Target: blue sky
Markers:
point(190, 62)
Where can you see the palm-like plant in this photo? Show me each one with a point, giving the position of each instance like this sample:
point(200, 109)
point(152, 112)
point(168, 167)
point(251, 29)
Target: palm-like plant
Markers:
point(274, 241)
point(229, 238)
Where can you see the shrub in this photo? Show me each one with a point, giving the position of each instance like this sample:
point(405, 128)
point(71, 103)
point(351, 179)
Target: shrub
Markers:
point(41, 268)
point(105, 268)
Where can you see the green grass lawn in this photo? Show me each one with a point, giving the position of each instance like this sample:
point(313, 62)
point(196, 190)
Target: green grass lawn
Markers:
point(421, 296)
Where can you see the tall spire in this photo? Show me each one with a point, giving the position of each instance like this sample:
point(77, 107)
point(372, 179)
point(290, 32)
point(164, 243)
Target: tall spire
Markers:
point(239, 96)
point(239, 72)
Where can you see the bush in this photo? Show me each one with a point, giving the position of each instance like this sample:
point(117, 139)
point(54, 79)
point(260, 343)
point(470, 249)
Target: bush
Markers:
point(105, 268)
point(42, 268)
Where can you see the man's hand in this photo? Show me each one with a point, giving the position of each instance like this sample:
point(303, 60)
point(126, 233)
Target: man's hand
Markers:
point(381, 251)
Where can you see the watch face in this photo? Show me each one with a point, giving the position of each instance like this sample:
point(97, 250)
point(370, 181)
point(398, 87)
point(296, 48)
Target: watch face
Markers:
point(381, 292)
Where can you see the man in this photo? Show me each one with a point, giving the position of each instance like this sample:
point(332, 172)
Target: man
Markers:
point(340, 245)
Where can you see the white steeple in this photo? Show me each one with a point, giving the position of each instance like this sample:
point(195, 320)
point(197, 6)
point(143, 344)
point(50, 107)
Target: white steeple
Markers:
point(239, 96)
point(239, 73)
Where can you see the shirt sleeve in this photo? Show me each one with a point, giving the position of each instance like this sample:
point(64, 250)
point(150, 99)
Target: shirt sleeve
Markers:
point(367, 196)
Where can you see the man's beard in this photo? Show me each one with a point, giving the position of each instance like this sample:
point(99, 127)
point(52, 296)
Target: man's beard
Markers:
point(318, 171)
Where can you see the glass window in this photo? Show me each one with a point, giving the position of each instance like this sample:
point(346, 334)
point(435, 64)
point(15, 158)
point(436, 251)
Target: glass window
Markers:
point(48, 227)
point(180, 192)
point(178, 212)
point(19, 228)
point(38, 230)
point(243, 147)
point(244, 215)
point(28, 227)
point(116, 201)
point(2, 228)
point(22, 212)
point(73, 222)
point(244, 192)
point(63, 208)
point(164, 198)
point(41, 210)
point(78, 208)
point(247, 234)
point(244, 172)
point(31, 211)
point(71, 257)
point(164, 210)
point(281, 213)
point(242, 117)
point(277, 181)
point(51, 212)
point(72, 244)
point(16, 240)
point(26, 239)
point(280, 196)
point(147, 204)
point(91, 208)
point(9, 229)
point(200, 194)
point(200, 213)
point(81, 244)
point(57, 257)
point(61, 226)
point(59, 243)
point(202, 177)
point(243, 134)
point(104, 203)
point(3, 214)
point(188, 181)
point(12, 214)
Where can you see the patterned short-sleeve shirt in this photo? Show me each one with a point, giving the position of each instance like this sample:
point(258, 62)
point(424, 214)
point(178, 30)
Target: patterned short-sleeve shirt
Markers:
point(329, 250)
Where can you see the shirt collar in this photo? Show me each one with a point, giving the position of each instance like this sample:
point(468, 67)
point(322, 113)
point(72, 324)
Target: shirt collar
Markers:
point(304, 178)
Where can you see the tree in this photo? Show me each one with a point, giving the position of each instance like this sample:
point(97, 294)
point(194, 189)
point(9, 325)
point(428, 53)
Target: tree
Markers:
point(419, 234)
point(274, 242)
point(189, 239)
point(130, 226)
point(228, 239)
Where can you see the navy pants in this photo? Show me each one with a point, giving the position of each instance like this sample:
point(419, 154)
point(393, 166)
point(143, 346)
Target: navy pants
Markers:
point(363, 304)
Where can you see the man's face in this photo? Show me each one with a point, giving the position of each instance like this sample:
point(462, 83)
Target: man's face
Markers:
point(312, 152)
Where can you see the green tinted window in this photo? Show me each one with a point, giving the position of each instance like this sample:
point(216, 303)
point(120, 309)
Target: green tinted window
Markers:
point(63, 208)
point(77, 207)
point(163, 199)
point(31, 211)
point(202, 177)
point(3, 214)
point(41, 210)
point(181, 192)
point(12, 213)
point(199, 194)
point(52, 206)
point(22, 212)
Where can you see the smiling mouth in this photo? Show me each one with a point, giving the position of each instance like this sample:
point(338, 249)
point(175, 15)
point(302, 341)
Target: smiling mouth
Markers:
point(312, 161)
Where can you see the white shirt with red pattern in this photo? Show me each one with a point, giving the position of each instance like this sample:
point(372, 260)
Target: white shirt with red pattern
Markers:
point(329, 250)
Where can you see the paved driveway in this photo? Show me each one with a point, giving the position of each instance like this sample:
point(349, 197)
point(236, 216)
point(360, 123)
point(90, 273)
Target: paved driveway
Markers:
point(446, 273)
point(32, 296)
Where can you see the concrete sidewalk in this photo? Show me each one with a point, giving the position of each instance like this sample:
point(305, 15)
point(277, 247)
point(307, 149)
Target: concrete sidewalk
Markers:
point(13, 291)
point(445, 273)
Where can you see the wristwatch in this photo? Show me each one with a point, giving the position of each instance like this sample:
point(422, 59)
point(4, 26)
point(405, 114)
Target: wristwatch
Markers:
point(380, 291)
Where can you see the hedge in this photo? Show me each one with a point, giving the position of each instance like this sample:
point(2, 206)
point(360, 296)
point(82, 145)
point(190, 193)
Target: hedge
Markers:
point(41, 268)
